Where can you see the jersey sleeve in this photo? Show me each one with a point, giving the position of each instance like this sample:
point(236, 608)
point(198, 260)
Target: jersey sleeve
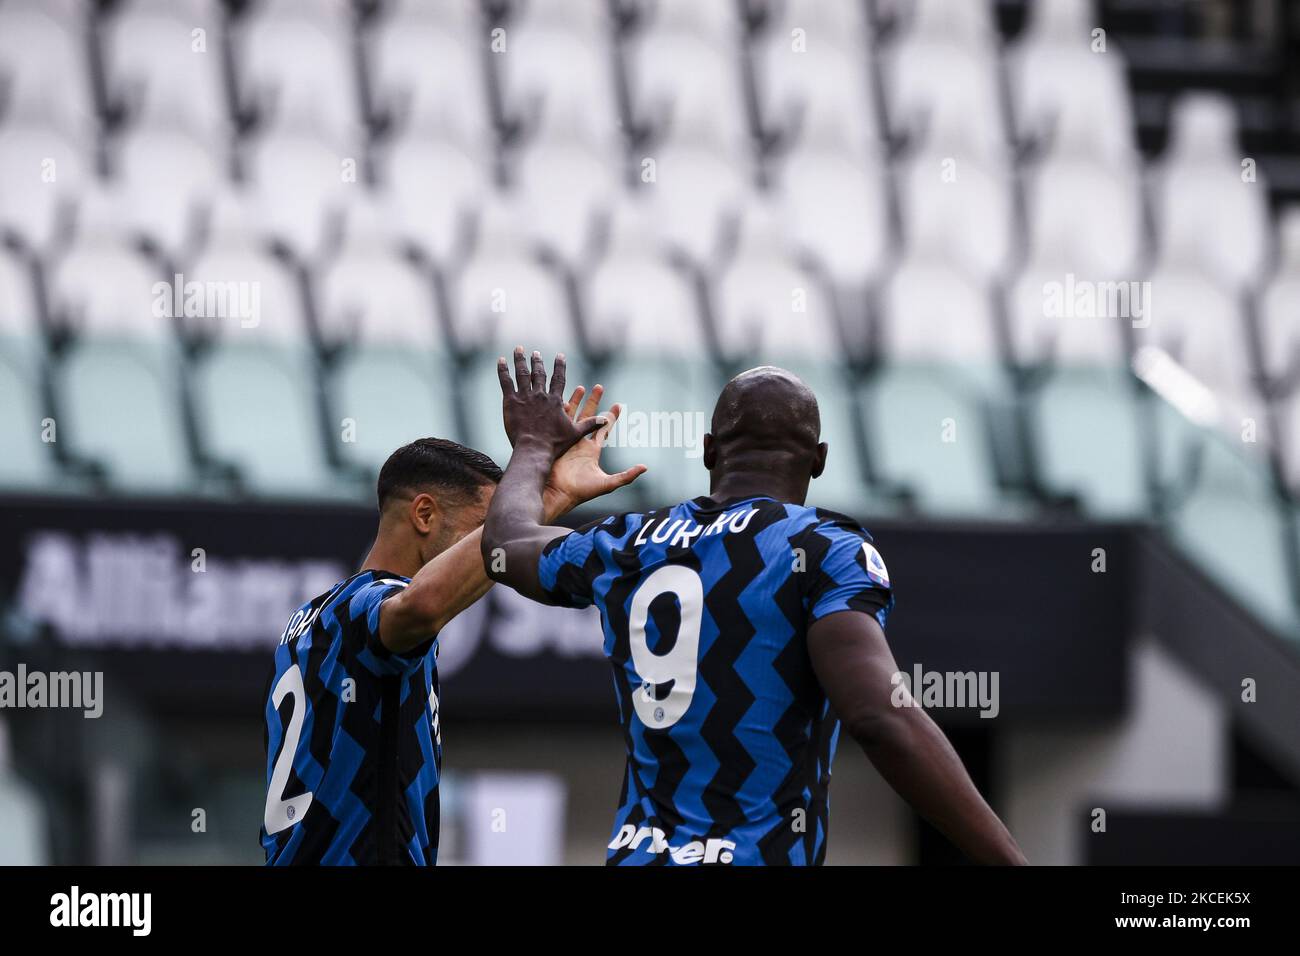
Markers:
point(568, 567)
point(845, 572)
point(363, 612)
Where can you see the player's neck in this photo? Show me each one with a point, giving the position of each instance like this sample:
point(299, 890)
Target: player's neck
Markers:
point(394, 556)
point(754, 484)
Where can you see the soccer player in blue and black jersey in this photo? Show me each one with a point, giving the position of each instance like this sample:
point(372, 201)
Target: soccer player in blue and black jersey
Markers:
point(353, 752)
point(742, 627)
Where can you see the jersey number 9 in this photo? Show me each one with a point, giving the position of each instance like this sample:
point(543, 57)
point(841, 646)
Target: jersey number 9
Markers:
point(680, 664)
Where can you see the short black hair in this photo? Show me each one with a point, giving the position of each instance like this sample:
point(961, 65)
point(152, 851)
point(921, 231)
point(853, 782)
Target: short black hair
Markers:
point(439, 463)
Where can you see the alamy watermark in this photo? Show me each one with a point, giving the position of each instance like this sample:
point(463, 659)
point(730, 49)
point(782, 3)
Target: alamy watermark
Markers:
point(208, 300)
point(1085, 299)
point(133, 911)
point(977, 690)
point(71, 690)
point(662, 429)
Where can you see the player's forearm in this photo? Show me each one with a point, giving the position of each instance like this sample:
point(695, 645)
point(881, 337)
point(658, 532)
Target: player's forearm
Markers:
point(515, 531)
point(444, 588)
point(916, 759)
point(440, 590)
point(517, 503)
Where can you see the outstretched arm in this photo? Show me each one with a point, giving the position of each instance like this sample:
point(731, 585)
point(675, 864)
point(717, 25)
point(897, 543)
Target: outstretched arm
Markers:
point(541, 430)
point(455, 579)
point(440, 590)
point(856, 668)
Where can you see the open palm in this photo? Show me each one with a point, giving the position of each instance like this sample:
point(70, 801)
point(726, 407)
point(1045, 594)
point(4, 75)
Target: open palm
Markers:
point(577, 476)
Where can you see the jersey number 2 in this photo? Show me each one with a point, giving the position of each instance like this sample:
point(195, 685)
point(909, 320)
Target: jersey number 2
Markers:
point(280, 813)
point(679, 665)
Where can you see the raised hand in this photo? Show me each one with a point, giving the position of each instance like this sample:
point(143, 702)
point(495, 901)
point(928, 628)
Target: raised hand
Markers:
point(577, 476)
point(535, 414)
point(536, 488)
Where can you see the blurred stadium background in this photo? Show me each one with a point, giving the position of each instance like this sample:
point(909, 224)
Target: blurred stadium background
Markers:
point(1039, 260)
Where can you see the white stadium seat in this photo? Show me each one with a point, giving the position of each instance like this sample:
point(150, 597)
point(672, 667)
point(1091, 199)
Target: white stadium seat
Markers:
point(564, 184)
point(431, 187)
point(715, 22)
point(835, 20)
point(635, 302)
point(302, 185)
point(235, 252)
point(428, 74)
point(168, 177)
point(1226, 230)
point(163, 64)
point(1053, 322)
point(836, 209)
point(43, 71)
point(371, 295)
point(1200, 324)
point(1060, 21)
point(299, 68)
point(969, 23)
point(559, 82)
point(764, 305)
point(827, 89)
point(946, 99)
point(962, 204)
point(1074, 101)
point(42, 172)
point(695, 190)
point(1089, 213)
point(504, 296)
point(1066, 95)
point(690, 85)
point(102, 285)
point(933, 313)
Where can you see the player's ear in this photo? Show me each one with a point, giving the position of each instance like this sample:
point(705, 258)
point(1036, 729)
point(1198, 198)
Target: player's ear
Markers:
point(425, 515)
point(710, 451)
point(819, 459)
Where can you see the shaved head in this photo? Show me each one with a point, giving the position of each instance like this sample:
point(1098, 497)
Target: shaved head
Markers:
point(767, 406)
point(766, 422)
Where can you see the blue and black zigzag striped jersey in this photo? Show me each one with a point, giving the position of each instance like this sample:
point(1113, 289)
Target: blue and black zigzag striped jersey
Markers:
point(705, 608)
point(353, 752)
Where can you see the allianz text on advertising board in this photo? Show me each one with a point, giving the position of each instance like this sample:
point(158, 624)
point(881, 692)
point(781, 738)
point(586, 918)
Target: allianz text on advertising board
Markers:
point(129, 589)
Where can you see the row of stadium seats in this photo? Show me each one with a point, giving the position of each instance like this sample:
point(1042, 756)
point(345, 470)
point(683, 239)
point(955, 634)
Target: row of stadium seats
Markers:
point(198, 396)
point(931, 298)
point(854, 216)
point(793, 107)
point(270, 419)
point(246, 410)
point(500, 250)
point(757, 304)
point(469, 69)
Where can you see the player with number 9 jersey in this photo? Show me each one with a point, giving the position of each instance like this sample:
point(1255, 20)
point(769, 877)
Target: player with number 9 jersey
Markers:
point(739, 625)
point(705, 608)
